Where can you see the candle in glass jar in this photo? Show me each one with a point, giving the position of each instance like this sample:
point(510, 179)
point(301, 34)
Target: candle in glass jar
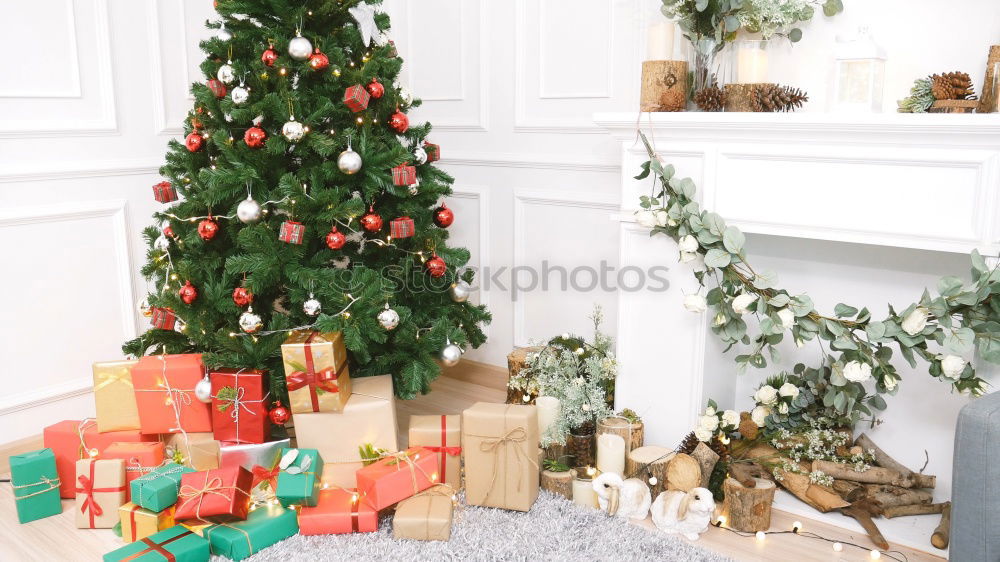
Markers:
point(751, 65)
point(583, 487)
point(610, 453)
point(548, 411)
point(660, 43)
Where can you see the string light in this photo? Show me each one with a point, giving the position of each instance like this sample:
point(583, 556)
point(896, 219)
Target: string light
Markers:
point(796, 526)
point(761, 535)
point(344, 312)
point(837, 547)
point(720, 521)
point(875, 555)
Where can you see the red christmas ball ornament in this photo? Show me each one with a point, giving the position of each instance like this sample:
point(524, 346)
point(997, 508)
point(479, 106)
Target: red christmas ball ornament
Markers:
point(207, 229)
point(269, 56)
point(399, 122)
point(335, 240)
point(371, 221)
point(255, 137)
point(242, 296)
point(375, 88)
point(443, 216)
point(318, 61)
point(188, 293)
point(194, 142)
point(168, 231)
point(279, 414)
point(217, 88)
point(436, 266)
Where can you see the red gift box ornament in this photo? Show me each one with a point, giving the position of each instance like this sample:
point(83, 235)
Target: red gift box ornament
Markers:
point(433, 152)
point(401, 227)
point(164, 192)
point(404, 175)
point(217, 88)
point(86, 487)
point(356, 97)
point(164, 318)
point(292, 232)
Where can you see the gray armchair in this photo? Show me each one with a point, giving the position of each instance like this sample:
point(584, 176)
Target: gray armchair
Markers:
point(975, 488)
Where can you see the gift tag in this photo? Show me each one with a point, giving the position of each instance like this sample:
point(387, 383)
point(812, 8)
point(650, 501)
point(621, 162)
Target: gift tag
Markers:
point(288, 458)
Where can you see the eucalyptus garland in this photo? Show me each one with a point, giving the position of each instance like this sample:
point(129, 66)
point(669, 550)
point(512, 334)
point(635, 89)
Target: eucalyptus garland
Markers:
point(856, 368)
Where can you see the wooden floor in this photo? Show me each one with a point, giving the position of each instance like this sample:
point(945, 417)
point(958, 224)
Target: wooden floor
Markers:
point(57, 538)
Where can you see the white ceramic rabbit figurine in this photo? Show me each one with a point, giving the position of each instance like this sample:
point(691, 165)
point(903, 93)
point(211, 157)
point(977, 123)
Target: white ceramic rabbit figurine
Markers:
point(628, 499)
point(687, 514)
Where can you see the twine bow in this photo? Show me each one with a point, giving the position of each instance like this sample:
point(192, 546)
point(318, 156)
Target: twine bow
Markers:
point(236, 402)
point(404, 457)
point(175, 397)
point(494, 445)
point(150, 476)
point(212, 486)
point(49, 483)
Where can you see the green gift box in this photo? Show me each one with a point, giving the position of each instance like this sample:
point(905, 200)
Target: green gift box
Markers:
point(299, 482)
point(158, 489)
point(36, 485)
point(176, 544)
point(264, 526)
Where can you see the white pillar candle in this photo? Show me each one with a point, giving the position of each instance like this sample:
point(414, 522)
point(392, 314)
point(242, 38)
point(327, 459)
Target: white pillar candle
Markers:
point(611, 453)
point(583, 488)
point(660, 42)
point(548, 411)
point(751, 65)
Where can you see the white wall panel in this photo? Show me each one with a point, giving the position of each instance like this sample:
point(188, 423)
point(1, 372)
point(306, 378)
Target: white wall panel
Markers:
point(59, 76)
point(174, 31)
point(471, 230)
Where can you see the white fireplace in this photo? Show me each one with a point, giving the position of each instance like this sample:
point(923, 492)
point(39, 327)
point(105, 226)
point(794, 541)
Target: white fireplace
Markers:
point(857, 209)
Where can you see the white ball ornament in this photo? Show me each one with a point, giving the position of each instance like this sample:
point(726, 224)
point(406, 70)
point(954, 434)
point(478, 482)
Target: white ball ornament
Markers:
point(405, 96)
point(250, 322)
point(460, 291)
point(388, 318)
point(203, 390)
point(226, 75)
point(451, 355)
point(420, 156)
point(300, 48)
point(240, 95)
point(180, 326)
point(223, 34)
point(162, 243)
point(293, 130)
point(349, 162)
point(248, 211)
point(312, 307)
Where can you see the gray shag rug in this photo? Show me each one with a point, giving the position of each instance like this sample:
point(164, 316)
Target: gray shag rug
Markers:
point(554, 529)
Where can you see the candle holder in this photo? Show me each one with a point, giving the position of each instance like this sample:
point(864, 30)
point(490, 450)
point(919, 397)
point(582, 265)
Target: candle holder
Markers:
point(751, 61)
point(580, 446)
point(583, 486)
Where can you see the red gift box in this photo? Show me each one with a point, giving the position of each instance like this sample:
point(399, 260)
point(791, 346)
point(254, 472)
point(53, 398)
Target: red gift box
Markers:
point(140, 459)
point(292, 232)
point(433, 152)
point(239, 406)
point(164, 393)
point(397, 477)
point(163, 318)
point(401, 227)
point(356, 97)
point(72, 440)
point(404, 175)
point(222, 495)
point(340, 511)
point(164, 192)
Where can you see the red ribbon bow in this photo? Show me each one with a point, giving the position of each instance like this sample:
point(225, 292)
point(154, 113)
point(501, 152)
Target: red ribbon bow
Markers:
point(261, 474)
point(452, 451)
point(325, 379)
point(444, 449)
point(87, 488)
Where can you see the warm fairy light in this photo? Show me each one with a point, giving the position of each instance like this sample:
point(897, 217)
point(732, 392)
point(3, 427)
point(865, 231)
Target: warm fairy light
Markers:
point(761, 535)
point(526, 398)
point(306, 128)
point(282, 71)
point(796, 526)
point(232, 334)
point(591, 471)
point(724, 439)
point(434, 477)
point(347, 315)
point(374, 120)
point(361, 120)
point(720, 521)
point(837, 547)
point(325, 486)
point(875, 555)
point(173, 277)
point(579, 351)
point(309, 13)
point(354, 497)
point(352, 64)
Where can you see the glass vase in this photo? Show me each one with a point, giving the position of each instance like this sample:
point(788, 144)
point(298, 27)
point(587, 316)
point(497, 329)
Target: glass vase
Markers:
point(710, 64)
point(580, 446)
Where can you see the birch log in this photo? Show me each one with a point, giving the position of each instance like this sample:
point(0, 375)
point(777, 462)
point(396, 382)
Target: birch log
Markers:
point(884, 460)
point(913, 509)
point(890, 496)
point(748, 509)
point(874, 475)
point(821, 498)
point(942, 535)
point(649, 462)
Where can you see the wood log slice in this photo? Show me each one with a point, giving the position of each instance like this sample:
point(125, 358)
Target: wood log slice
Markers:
point(707, 458)
point(683, 473)
point(664, 85)
point(988, 101)
point(953, 106)
point(515, 362)
point(748, 509)
point(559, 482)
point(648, 462)
point(632, 433)
point(739, 97)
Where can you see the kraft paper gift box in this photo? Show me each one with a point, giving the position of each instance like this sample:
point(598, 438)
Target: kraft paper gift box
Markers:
point(338, 512)
point(138, 522)
point(426, 516)
point(299, 482)
point(397, 477)
point(156, 491)
point(316, 371)
point(265, 526)
point(164, 394)
point(140, 458)
point(239, 405)
point(72, 440)
point(200, 451)
point(216, 495)
point(442, 435)
point(114, 396)
point(500, 444)
point(100, 491)
point(181, 543)
point(35, 481)
point(368, 417)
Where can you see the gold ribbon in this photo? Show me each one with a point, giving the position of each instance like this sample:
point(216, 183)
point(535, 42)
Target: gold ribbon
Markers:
point(106, 378)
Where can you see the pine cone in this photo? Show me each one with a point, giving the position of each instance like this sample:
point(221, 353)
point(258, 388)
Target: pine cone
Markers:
point(748, 427)
point(952, 86)
point(711, 98)
point(673, 100)
point(775, 97)
point(688, 444)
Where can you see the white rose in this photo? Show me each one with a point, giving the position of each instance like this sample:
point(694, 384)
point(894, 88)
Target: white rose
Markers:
point(703, 434)
point(709, 423)
point(695, 303)
point(661, 217)
point(953, 365)
point(788, 390)
point(671, 222)
point(688, 244)
point(915, 321)
point(688, 257)
point(646, 218)
point(759, 414)
point(731, 418)
point(709, 411)
point(855, 371)
point(783, 408)
point(787, 318)
point(890, 382)
point(766, 395)
point(742, 302)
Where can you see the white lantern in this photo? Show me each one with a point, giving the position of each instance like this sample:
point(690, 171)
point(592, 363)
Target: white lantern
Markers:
point(860, 74)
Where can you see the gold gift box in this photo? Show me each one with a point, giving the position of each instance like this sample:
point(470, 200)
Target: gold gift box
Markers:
point(138, 523)
point(500, 445)
point(426, 516)
point(114, 396)
point(316, 371)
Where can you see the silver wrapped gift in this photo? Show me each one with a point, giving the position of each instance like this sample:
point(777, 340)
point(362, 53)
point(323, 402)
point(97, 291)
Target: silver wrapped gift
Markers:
point(250, 455)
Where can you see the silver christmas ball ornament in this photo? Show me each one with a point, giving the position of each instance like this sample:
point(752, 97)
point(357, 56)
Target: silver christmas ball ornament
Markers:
point(223, 34)
point(405, 96)
point(226, 74)
point(388, 318)
point(250, 322)
point(450, 355)
point(312, 306)
point(293, 130)
point(349, 162)
point(240, 95)
point(420, 156)
point(162, 243)
point(460, 291)
point(249, 211)
point(299, 48)
point(180, 326)
point(203, 390)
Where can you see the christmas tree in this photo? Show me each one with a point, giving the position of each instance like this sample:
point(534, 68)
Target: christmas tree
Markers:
point(302, 198)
